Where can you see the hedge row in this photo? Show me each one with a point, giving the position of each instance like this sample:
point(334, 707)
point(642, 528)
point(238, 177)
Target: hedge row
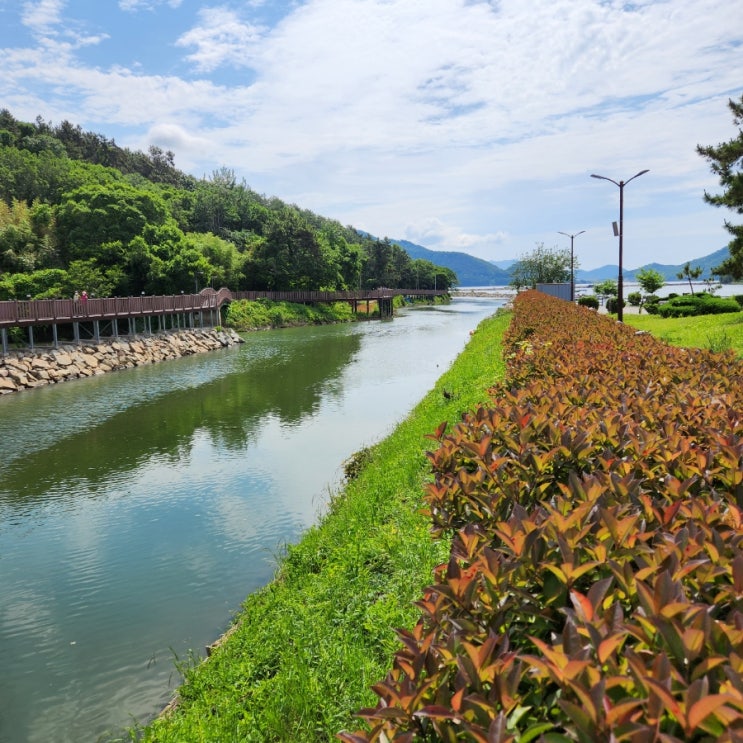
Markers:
point(697, 304)
point(595, 586)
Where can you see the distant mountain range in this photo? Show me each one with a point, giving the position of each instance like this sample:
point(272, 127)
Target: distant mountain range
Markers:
point(473, 271)
point(668, 272)
point(470, 271)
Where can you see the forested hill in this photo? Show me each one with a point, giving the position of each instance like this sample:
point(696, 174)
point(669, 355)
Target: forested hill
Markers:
point(708, 263)
point(470, 271)
point(79, 212)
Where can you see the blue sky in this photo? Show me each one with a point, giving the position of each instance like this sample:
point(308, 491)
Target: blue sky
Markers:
point(469, 125)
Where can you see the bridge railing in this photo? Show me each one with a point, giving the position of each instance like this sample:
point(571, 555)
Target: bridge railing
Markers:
point(22, 313)
point(54, 311)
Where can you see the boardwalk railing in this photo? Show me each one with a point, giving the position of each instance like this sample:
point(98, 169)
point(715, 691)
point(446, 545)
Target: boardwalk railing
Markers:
point(58, 311)
point(24, 313)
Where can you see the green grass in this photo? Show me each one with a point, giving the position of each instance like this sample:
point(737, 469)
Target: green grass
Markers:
point(307, 648)
point(244, 315)
point(715, 332)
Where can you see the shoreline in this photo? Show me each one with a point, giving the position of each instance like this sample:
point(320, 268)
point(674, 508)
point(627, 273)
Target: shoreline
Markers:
point(26, 370)
point(327, 620)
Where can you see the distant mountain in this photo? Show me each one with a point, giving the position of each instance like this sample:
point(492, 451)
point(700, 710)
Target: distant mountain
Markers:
point(668, 272)
point(470, 271)
point(473, 271)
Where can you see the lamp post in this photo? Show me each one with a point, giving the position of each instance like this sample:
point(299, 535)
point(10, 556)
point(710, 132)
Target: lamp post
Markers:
point(620, 281)
point(572, 272)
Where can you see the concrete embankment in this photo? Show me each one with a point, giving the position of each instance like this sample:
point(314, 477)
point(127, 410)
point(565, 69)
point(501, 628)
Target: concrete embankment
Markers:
point(24, 370)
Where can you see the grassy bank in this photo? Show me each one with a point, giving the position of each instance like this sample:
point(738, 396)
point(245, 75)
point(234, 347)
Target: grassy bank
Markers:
point(306, 649)
point(714, 332)
point(244, 315)
point(261, 314)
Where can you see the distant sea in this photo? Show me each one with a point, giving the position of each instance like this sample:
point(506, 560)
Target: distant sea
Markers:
point(671, 287)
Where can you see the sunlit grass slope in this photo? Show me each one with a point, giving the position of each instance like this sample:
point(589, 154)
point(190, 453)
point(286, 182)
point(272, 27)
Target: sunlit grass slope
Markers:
point(307, 648)
point(714, 332)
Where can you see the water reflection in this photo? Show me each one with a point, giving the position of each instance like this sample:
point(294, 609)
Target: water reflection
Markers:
point(137, 510)
point(284, 377)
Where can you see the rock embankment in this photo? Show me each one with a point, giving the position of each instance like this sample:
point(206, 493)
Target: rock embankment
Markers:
point(30, 369)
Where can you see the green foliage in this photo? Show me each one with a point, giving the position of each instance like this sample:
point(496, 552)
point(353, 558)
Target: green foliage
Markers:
point(719, 342)
point(635, 298)
point(612, 304)
point(542, 266)
point(690, 274)
point(699, 331)
point(354, 465)
point(652, 304)
point(26, 236)
point(305, 649)
point(650, 280)
point(594, 588)
point(589, 300)
point(607, 288)
point(88, 276)
point(697, 304)
point(725, 161)
point(94, 216)
point(46, 283)
point(245, 315)
point(145, 226)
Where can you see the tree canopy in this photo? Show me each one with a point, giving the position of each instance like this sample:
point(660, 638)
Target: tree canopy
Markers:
point(79, 212)
point(542, 266)
point(650, 280)
point(690, 274)
point(726, 161)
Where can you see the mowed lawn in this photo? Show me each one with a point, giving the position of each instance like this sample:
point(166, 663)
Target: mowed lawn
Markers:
point(714, 332)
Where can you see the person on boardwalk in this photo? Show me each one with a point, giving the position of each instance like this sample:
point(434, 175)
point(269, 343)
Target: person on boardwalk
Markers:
point(84, 301)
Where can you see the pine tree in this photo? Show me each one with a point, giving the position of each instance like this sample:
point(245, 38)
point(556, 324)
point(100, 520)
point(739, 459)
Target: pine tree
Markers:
point(727, 162)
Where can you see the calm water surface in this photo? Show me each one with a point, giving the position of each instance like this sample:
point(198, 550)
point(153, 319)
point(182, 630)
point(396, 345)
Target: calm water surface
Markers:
point(137, 510)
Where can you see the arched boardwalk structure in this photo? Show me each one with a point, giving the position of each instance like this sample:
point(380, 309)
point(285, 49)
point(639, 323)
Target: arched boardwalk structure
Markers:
point(111, 316)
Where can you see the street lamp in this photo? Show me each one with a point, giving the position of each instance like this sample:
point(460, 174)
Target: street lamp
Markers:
point(572, 272)
point(620, 282)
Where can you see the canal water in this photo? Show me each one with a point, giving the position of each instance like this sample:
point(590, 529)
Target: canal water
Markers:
point(138, 509)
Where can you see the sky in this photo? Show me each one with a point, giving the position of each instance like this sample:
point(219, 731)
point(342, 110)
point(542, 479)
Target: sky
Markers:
point(460, 125)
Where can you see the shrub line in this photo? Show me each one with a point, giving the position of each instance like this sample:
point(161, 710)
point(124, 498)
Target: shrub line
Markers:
point(305, 650)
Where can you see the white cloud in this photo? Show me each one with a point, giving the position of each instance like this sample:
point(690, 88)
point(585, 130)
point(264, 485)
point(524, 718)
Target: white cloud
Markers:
point(468, 123)
point(435, 234)
point(46, 21)
point(221, 38)
point(137, 5)
point(43, 15)
point(174, 137)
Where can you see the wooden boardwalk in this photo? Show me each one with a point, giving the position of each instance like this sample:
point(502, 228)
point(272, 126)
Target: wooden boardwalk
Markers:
point(96, 310)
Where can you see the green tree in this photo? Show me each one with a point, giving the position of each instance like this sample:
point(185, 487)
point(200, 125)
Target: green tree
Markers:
point(218, 260)
point(88, 275)
point(542, 266)
point(47, 283)
point(26, 236)
point(650, 280)
point(635, 299)
point(379, 269)
point(607, 288)
point(96, 215)
point(726, 160)
point(690, 274)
